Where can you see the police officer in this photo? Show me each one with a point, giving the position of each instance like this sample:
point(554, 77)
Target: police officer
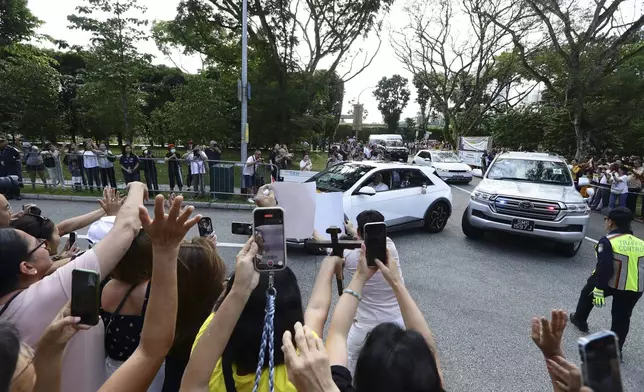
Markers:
point(618, 273)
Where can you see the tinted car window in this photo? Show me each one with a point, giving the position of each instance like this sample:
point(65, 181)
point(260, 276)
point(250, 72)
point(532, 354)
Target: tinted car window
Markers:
point(339, 178)
point(543, 172)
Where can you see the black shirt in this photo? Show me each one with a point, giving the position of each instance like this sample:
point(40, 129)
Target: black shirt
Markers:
point(213, 156)
point(128, 162)
point(342, 378)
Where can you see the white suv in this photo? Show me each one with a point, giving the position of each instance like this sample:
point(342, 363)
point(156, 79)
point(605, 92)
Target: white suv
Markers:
point(530, 194)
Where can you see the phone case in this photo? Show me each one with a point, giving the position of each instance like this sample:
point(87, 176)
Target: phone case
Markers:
point(255, 262)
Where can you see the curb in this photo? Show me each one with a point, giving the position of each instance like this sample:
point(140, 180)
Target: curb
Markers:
point(89, 199)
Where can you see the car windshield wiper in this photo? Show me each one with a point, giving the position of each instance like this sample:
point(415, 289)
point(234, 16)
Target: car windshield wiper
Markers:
point(510, 179)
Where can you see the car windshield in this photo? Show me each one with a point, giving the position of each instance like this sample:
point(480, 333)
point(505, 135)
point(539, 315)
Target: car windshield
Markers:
point(339, 178)
point(394, 143)
point(445, 157)
point(543, 172)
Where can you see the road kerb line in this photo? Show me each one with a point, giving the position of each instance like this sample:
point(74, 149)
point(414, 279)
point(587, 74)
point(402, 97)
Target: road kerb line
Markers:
point(594, 241)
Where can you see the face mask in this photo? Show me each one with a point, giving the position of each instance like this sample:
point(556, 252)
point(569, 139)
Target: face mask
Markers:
point(173, 151)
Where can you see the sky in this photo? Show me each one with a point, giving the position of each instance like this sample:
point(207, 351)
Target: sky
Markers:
point(54, 14)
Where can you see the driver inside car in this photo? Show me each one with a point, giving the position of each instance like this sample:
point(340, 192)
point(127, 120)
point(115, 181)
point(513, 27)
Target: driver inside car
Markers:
point(377, 183)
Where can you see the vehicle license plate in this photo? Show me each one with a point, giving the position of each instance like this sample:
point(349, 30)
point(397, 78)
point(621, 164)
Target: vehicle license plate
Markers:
point(523, 224)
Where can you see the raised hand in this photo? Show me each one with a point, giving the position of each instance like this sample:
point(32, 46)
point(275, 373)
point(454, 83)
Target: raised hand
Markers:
point(167, 230)
point(265, 196)
point(391, 270)
point(246, 276)
point(547, 335)
point(363, 269)
point(111, 202)
point(309, 370)
point(565, 375)
point(61, 330)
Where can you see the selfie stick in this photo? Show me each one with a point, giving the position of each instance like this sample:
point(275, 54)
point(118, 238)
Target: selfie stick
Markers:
point(337, 249)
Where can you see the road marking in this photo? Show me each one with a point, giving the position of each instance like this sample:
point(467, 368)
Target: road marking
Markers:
point(594, 241)
point(229, 245)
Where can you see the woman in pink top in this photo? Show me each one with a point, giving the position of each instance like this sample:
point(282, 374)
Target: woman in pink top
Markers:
point(31, 303)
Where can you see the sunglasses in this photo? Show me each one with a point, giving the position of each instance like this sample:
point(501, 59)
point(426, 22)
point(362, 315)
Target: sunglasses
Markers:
point(40, 244)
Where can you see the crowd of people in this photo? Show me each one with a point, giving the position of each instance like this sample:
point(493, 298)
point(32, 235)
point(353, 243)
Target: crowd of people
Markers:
point(173, 319)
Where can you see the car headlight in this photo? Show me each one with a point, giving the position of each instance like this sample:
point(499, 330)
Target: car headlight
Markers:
point(483, 196)
point(441, 169)
point(577, 209)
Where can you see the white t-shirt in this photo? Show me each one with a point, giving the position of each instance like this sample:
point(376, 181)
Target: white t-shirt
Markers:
point(249, 170)
point(380, 187)
point(305, 165)
point(620, 187)
point(367, 152)
point(33, 310)
point(197, 164)
point(90, 160)
point(379, 303)
point(604, 179)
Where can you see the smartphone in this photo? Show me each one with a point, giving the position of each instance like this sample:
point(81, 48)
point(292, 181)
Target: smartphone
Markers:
point(71, 240)
point(600, 360)
point(85, 296)
point(205, 227)
point(241, 228)
point(268, 230)
point(375, 241)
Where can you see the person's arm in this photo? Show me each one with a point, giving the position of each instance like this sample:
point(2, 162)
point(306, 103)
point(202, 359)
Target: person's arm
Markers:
point(547, 336)
point(136, 165)
point(78, 222)
point(166, 232)
point(111, 249)
point(604, 269)
point(317, 311)
point(250, 162)
point(345, 312)
point(413, 317)
point(48, 358)
point(213, 342)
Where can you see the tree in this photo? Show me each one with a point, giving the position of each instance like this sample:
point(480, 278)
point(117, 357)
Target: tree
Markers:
point(590, 42)
point(17, 23)
point(392, 95)
point(423, 98)
point(115, 63)
point(456, 65)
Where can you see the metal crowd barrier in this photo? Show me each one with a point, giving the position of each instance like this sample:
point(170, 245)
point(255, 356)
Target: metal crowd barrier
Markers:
point(217, 179)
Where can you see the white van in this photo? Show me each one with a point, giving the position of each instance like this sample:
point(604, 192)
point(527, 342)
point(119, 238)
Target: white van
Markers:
point(393, 145)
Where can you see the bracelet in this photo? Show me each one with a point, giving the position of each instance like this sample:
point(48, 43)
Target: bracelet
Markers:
point(351, 292)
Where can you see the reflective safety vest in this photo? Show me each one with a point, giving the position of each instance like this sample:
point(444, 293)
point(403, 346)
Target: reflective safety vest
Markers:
point(628, 262)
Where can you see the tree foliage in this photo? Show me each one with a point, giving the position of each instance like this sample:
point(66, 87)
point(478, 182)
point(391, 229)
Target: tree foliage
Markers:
point(392, 95)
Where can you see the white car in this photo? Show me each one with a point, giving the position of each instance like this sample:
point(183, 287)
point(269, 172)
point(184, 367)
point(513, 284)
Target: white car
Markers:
point(449, 166)
point(408, 195)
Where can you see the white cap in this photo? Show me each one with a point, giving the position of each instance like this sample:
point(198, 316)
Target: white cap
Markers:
point(99, 229)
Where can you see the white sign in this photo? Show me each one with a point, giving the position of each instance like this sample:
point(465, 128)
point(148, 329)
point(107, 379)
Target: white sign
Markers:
point(298, 202)
point(472, 158)
point(474, 143)
point(328, 212)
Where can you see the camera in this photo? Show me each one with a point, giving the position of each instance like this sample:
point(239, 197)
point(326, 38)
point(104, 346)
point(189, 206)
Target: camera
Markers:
point(242, 228)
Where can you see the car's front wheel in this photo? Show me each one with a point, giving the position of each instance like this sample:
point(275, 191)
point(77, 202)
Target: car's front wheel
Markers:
point(570, 250)
point(469, 230)
point(436, 217)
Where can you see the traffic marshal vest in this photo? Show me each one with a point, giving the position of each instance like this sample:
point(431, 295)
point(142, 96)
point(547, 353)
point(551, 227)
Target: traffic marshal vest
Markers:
point(628, 263)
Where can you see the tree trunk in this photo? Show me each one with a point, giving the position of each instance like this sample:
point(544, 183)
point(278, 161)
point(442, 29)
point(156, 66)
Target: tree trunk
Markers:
point(125, 114)
point(446, 124)
point(581, 136)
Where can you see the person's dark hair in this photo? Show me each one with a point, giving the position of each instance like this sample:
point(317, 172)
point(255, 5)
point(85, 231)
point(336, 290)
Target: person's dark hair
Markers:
point(368, 216)
point(200, 276)
point(13, 251)
point(243, 347)
point(35, 225)
point(9, 352)
point(394, 359)
point(136, 265)
point(125, 148)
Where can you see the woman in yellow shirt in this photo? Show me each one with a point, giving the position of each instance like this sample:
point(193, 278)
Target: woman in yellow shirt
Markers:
point(225, 352)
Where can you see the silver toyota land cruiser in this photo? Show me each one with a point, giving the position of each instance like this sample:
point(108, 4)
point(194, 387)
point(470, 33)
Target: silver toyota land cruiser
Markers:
point(530, 194)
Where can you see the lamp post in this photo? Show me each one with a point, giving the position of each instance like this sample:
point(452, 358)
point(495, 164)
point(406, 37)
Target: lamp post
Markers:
point(244, 83)
point(358, 110)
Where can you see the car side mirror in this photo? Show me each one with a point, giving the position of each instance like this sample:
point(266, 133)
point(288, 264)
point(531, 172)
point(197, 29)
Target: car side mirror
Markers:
point(367, 190)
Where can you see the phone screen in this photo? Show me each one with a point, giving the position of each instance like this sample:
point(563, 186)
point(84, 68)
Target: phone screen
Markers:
point(241, 228)
point(600, 359)
point(375, 241)
point(85, 296)
point(205, 227)
point(268, 229)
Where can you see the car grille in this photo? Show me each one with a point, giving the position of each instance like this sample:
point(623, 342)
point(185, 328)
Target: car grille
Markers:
point(531, 209)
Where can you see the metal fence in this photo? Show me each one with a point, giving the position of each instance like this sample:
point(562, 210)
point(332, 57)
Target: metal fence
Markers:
point(198, 177)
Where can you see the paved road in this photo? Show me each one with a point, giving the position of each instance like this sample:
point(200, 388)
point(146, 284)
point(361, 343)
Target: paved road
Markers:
point(478, 297)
